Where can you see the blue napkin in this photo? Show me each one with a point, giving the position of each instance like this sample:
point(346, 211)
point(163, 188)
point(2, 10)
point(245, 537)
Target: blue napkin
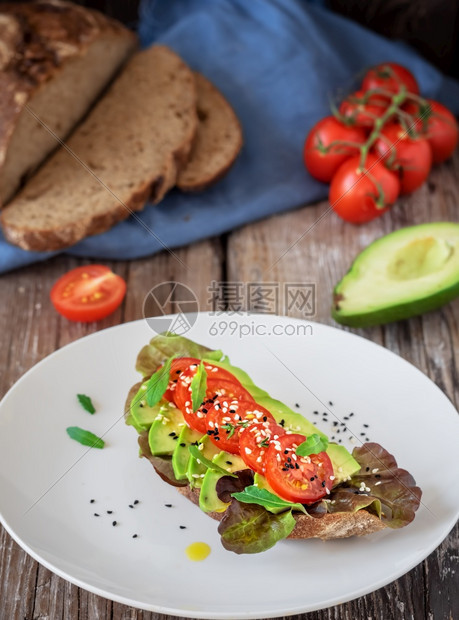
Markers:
point(278, 62)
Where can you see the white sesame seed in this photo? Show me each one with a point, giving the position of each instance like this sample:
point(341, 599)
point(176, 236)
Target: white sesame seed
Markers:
point(375, 470)
point(376, 483)
point(248, 451)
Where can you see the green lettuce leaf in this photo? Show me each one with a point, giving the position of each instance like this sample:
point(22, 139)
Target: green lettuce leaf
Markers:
point(248, 528)
point(270, 501)
point(166, 345)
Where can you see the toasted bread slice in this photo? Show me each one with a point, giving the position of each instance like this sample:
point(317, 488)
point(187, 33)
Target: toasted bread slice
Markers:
point(326, 527)
point(131, 146)
point(217, 143)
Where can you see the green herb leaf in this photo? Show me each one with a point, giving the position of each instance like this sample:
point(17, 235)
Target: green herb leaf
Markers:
point(86, 403)
point(197, 454)
point(246, 528)
point(313, 445)
point(158, 382)
point(229, 428)
point(198, 387)
point(263, 497)
point(85, 437)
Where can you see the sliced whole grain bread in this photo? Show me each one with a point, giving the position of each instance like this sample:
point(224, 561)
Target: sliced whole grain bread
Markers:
point(130, 147)
point(217, 143)
point(55, 59)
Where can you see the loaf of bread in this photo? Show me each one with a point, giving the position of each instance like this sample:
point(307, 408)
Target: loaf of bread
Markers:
point(129, 148)
point(217, 143)
point(55, 59)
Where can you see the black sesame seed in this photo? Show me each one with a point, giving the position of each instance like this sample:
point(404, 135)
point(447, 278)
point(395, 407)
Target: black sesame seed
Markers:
point(114, 523)
point(297, 466)
point(232, 410)
point(109, 512)
point(229, 462)
point(333, 437)
point(131, 506)
point(96, 514)
point(134, 536)
point(178, 372)
point(346, 417)
point(323, 483)
point(335, 423)
point(297, 405)
point(183, 444)
point(350, 415)
point(91, 501)
point(285, 469)
point(281, 423)
point(362, 434)
point(330, 403)
point(339, 440)
point(168, 505)
point(312, 479)
point(316, 413)
point(367, 469)
point(366, 426)
point(285, 451)
point(175, 438)
point(204, 410)
point(367, 439)
point(315, 423)
point(182, 527)
point(172, 434)
point(377, 476)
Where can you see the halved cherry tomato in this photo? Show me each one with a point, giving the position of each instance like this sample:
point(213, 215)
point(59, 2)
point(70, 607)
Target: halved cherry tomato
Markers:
point(88, 293)
point(440, 129)
point(358, 195)
point(254, 441)
point(304, 479)
point(390, 77)
point(228, 417)
point(322, 163)
point(362, 109)
point(409, 157)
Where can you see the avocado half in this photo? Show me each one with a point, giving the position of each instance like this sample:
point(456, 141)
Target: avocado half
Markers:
point(408, 272)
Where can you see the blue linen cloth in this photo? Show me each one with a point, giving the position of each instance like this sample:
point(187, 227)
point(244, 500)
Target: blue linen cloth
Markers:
point(278, 62)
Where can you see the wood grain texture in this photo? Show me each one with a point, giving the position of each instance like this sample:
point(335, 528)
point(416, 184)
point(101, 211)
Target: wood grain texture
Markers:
point(274, 250)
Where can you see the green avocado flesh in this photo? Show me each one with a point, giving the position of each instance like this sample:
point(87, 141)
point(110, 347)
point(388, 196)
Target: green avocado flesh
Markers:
point(406, 273)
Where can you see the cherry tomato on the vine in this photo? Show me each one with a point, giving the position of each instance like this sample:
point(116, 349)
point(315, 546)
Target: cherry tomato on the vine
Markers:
point(409, 157)
point(362, 109)
point(322, 156)
point(440, 128)
point(390, 77)
point(360, 195)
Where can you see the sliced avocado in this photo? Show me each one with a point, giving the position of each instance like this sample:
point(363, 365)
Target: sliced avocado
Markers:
point(260, 481)
point(408, 272)
point(143, 416)
point(344, 464)
point(165, 430)
point(208, 498)
point(196, 471)
point(181, 455)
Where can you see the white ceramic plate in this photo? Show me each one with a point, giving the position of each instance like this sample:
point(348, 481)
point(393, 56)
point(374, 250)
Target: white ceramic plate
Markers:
point(48, 480)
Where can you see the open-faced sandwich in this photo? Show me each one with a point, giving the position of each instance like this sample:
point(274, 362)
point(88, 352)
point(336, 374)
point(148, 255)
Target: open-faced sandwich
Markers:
point(264, 471)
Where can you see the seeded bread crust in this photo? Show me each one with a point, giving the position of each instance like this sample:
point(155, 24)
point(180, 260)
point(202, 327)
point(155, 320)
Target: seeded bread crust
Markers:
point(325, 527)
point(217, 143)
point(134, 141)
point(38, 41)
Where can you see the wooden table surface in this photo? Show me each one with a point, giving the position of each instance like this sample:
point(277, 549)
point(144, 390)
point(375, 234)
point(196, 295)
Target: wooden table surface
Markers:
point(308, 244)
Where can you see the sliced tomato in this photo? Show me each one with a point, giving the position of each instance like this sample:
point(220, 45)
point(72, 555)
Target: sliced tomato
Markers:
point(88, 293)
point(228, 417)
point(304, 479)
point(440, 128)
point(362, 109)
point(177, 367)
point(254, 441)
point(409, 157)
point(328, 145)
point(390, 76)
point(219, 383)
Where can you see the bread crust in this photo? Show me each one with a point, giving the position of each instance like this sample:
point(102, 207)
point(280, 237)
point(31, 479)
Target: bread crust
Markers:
point(36, 40)
point(325, 527)
point(210, 101)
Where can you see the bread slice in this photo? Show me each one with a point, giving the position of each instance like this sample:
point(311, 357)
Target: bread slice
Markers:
point(325, 527)
point(130, 146)
point(218, 139)
point(55, 59)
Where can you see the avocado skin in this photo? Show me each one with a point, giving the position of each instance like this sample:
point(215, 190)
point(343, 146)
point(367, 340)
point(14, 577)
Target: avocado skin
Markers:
point(398, 312)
